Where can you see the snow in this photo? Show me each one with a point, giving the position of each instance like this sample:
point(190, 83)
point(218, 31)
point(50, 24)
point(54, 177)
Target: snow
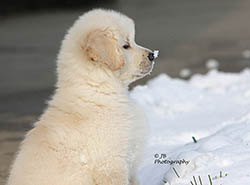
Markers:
point(215, 110)
point(184, 73)
point(246, 54)
point(212, 64)
point(156, 54)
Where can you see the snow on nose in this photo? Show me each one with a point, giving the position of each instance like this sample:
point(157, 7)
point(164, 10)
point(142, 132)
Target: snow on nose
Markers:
point(156, 53)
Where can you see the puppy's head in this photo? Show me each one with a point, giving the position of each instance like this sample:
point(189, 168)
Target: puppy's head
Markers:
point(107, 42)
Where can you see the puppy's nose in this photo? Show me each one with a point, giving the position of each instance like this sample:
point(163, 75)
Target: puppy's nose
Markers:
point(151, 56)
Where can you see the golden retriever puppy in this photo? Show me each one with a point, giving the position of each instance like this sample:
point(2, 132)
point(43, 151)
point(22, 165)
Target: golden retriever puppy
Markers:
point(91, 133)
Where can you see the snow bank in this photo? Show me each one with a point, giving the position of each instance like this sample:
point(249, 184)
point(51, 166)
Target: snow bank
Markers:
point(215, 110)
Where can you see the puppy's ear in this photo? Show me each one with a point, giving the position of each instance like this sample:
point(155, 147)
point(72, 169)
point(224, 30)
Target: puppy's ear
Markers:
point(102, 46)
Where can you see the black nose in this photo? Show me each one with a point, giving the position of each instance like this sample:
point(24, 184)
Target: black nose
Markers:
point(151, 56)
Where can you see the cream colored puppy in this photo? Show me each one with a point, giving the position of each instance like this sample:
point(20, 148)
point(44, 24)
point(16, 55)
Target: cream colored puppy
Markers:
point(92, 133)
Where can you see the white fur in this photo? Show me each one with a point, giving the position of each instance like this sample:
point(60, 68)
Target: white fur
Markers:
point(92, 133)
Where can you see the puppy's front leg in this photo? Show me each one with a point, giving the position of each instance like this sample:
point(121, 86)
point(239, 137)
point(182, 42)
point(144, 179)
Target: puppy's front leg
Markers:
point(111, 173)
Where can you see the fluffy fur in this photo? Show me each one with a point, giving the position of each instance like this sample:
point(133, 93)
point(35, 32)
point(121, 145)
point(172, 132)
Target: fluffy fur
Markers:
point(92, 133)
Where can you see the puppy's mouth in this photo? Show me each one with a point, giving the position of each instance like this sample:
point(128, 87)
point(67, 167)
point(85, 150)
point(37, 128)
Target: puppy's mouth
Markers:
point(145, 68)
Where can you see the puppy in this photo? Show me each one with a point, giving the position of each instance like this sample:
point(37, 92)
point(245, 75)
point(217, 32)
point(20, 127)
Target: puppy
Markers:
point(92, 133)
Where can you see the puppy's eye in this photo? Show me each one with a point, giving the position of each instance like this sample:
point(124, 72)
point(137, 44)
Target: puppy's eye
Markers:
point(126, 46)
